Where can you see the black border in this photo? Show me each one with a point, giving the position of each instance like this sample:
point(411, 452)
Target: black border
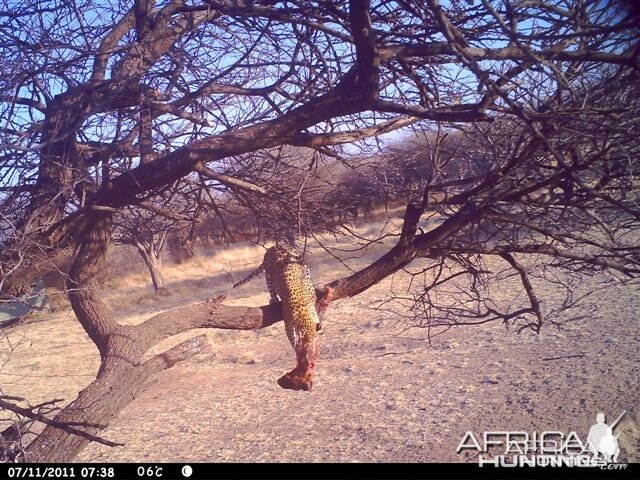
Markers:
point(332, 471)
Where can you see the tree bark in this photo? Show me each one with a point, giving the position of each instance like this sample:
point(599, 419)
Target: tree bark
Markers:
point(116, 386)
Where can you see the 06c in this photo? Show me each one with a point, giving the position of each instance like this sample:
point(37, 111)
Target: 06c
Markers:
point(150, 472)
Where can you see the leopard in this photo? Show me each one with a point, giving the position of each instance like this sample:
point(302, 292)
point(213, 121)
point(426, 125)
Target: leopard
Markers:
point(289, 281)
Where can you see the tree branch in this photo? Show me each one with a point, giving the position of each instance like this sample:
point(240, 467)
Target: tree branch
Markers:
point(60, 425)
point(629, 57)
point(322, 139)
point(228, 180)
point(533, 299)
point(462, 113)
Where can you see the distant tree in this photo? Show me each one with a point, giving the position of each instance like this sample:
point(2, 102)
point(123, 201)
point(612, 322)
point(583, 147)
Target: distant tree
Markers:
point(148, 237)
point(106, 105)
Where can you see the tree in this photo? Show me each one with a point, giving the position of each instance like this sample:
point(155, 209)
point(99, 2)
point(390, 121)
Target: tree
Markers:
point(148, 226)
point(149, 239)
point(110, 103)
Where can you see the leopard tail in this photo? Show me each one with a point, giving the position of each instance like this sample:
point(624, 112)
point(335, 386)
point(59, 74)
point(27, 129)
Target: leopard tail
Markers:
point(250, 277)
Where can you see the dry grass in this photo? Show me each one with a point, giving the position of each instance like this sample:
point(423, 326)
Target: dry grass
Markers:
point(382, 392)
point(213, 270)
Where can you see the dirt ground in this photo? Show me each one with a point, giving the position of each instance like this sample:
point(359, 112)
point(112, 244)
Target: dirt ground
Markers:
point(382, 392)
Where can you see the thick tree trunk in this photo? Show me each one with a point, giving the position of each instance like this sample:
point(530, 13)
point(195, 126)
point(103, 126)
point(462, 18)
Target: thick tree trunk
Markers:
point(121, 375)
point(117, 384)
point(94, 404)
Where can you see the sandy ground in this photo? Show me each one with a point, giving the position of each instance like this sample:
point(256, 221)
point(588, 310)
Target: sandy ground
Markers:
point(382, 393)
